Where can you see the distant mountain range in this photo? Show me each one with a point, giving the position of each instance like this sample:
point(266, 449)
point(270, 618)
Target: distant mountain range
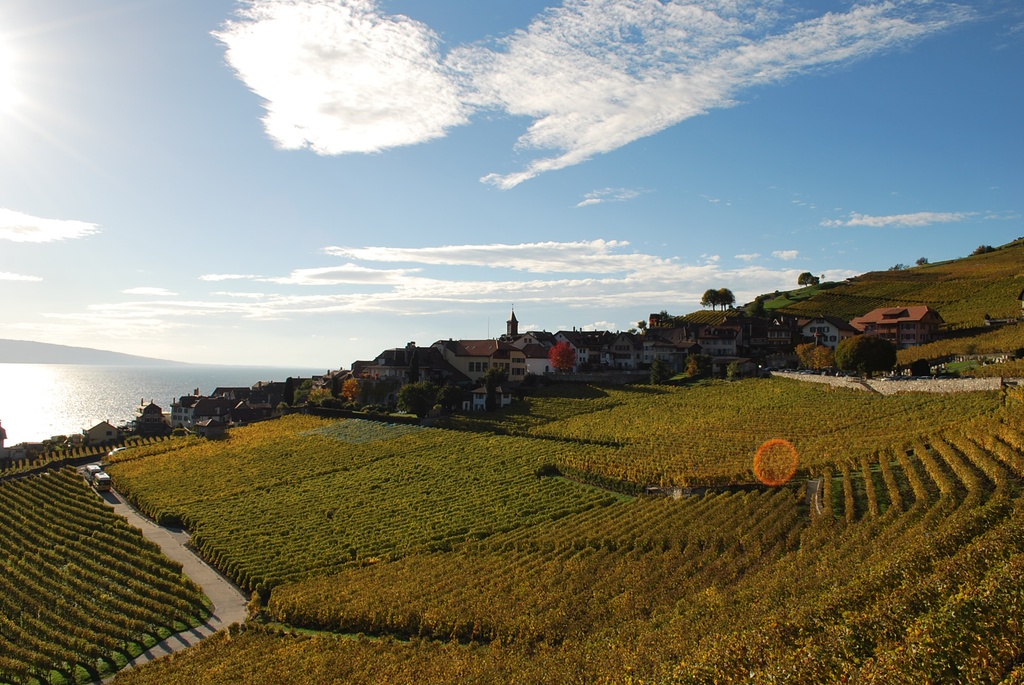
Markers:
point(28, 352)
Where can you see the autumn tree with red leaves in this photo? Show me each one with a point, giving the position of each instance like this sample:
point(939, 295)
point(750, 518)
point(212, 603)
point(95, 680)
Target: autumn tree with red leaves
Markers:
point(563, 357)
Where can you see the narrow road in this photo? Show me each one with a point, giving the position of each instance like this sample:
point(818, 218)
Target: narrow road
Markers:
point(229, 604)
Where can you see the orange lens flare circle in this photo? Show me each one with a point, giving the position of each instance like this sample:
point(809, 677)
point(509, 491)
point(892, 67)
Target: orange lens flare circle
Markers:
point(775, 462)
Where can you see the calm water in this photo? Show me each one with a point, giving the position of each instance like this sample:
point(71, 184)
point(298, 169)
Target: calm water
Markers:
point(40, 400)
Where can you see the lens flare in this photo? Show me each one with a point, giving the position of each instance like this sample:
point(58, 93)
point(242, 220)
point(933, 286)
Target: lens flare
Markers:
point(775, 462)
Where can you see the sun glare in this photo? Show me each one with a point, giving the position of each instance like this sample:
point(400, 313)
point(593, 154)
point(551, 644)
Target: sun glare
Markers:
point(10, 96)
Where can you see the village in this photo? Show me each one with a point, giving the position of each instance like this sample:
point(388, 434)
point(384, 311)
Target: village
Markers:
point(729, 342)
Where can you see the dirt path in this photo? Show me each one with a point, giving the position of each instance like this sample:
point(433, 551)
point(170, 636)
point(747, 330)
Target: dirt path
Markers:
point(228, 601)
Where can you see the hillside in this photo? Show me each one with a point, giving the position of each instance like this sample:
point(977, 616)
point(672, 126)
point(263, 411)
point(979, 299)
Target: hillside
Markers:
point(458, 554)
point(28, 352)
point(963, 290)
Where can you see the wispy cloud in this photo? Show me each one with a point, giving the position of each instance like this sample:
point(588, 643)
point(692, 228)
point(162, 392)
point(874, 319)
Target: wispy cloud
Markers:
point(147, 290)
point(594, 256)
point(7, 276)
point(340, 76)
point(900, 220)
point(24, 228)
point(542, 274)
point(786, 255)
point(597, 197)
point(748, 257)
point(343, 274)
point(228, 277)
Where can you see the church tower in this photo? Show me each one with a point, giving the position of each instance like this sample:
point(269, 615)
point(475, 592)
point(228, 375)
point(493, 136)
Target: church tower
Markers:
point(512, 326)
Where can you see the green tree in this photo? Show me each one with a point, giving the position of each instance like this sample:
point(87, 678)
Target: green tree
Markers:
point(302, 392)
point(493, 378)
point(317, 396)
point(865, 354)
point(709, 298)
point(698, 365)
point(660, 371)
point(807, 278)
point(417, 398)
point(450, 397)
point(726, 298)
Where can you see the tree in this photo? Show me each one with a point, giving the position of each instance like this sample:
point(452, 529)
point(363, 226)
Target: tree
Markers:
point(983, 249)
point(866, 354)
point(922, 261)
point(660, 371)
point(698, 365)
point(450, 397)
point(417, 398)
point(493, 378)
point(414, 365)
point(709, 299)
point(807, 278)
point(642, 325)
point(350, 389)
point(318, 395)
point(813, 356)
point(898, 267)
point(726, 298)
point(563, 357)
point(302, 392)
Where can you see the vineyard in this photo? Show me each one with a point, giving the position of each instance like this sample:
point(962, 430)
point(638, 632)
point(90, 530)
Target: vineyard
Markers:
point(710, 433)
point(302, 496)
point(81, 592)
point(963, 291)
point(907, 567)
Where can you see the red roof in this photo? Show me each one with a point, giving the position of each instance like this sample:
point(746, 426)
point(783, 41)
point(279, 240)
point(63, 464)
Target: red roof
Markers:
point(897, 315)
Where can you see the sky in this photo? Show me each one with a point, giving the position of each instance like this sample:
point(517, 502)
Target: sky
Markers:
point(308, 182)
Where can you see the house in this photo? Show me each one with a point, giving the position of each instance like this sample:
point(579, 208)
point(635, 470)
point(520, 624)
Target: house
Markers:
point(182, 410)
point(671, 345)
point(472, 358)
point(211, 428)
point(150, 421)
point(103, 433)
point(827, 331)
point(212, 408)
point(718, 341)
point(624, 351)
point(902, 326)
point(538, 361)
point(3, 436)
point(590, 347)
point(478, 399)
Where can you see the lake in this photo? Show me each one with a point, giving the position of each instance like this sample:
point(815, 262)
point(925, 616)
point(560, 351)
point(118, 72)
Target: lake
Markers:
point(41, 400)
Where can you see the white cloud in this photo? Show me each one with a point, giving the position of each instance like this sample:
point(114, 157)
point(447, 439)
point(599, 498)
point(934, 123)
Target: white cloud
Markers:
point(786, 255)
point(24, 228)
point(748, 257)
point(145, 290)
point(916, 219)
point(594, 256)
point(345, 273)
point(596, 197)
point(340, 76)
point(7, 276)
point(228, 277)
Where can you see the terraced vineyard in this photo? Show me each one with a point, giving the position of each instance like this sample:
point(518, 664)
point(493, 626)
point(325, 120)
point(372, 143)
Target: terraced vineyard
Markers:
point(907, 569)
point(710, 433)
point(81, 591)
point(963, 291)
point(300, 497)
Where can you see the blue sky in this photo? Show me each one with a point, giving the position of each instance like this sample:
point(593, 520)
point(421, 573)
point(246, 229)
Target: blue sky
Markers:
point(306, 182)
